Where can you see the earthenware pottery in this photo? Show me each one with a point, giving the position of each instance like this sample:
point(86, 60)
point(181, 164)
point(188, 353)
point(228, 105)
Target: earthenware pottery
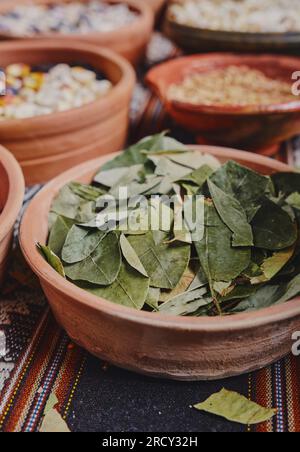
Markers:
point(129, 41)
point(183, 348)
point(12, 189)
point(47, 145)
point(246, 127)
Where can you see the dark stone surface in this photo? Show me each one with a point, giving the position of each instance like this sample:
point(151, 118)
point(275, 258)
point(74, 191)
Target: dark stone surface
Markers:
point(114, 400)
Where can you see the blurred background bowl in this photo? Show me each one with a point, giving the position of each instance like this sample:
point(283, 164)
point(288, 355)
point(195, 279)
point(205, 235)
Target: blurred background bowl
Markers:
point(156, 5)
point(197, 40)
point(130, 41)
point(246, 127)
point(49, 144)
point(12, 190)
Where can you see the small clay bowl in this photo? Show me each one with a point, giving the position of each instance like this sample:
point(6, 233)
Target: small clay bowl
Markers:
point(197, 40)
point(48, 145)
point(247, 127)
point(130, 41)
point(183, 348)
point(12, 188)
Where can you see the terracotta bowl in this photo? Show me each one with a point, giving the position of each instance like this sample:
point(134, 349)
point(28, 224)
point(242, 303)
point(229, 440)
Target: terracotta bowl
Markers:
point(183, 348)
point(12, 188)
point(248, 127)
point(129, 41)
point(156, 5)
point(47, 145)
point(193, 39)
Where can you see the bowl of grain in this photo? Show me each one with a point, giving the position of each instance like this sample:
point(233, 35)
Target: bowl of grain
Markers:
point(124, 26)
point(12, 190)
point(247, 26)
point(230, 99)
point(64, 103)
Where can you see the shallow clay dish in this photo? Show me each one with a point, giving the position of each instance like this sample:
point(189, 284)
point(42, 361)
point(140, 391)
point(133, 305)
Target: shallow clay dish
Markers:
point(12, 190)
point(248, 127)
point(195, 40)
point(129, 41)
point(48, 145)
point(182, 348)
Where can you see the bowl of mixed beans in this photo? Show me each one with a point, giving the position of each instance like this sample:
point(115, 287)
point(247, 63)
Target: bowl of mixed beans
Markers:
point(124, 26)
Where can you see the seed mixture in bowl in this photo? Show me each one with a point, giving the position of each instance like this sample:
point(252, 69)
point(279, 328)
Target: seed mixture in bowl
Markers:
point(233, 85)
point(66, 18)
point(31, 92)
point(165, 228)
point(253, 16)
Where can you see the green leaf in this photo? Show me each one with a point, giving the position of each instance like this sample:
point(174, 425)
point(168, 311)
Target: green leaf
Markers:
point(197, 177)
point(264, 297)
point(102, 266)
point(273, 228)
point(70, 205)
point(184, 284)
point(195, 160)
point(152, 299)
point(272, 265)
point(129, 289)
point(219, 260)
point(247, 186)
point(80, 244)
point(236, 408)
point(58, 234)
point(136, 188)
point(165, 167)
point(239, 293)
point(200, 280)
point(233, 215)
point(131, 257)
point(112, 177)
point(86, 192)
point(294, 200)
point(186, 303)
point(291, 290)
point(165, 264)
point(52, 259)
point(286, 183)
point(134, 155)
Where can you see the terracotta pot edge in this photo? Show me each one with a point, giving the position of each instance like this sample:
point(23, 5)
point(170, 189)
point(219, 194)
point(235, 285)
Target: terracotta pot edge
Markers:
point(16, 192)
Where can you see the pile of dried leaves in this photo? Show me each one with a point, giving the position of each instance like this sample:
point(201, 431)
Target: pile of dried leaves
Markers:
point(248, 257)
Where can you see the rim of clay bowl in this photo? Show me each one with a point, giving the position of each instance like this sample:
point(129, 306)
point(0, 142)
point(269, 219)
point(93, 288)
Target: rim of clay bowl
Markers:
point(35, 229)
point(16, 191)
point(145, 13)
point(128, 78)
point(157, 79)
point(258, 37)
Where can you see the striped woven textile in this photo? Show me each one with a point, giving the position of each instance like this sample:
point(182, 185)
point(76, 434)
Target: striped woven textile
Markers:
point(93, 396)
